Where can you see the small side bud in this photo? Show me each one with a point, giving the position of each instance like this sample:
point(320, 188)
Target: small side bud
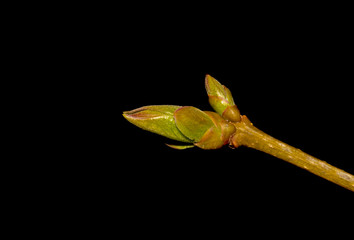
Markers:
point(221, 100)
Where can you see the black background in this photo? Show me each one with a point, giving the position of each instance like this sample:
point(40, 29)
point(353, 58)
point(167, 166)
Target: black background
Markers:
point(80, 166)
point(291, 75)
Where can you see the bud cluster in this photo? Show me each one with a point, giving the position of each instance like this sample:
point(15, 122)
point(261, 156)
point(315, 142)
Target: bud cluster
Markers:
point(204, 129)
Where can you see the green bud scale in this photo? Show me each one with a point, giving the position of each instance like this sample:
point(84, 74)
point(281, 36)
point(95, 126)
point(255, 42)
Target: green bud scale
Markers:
point(206, 130)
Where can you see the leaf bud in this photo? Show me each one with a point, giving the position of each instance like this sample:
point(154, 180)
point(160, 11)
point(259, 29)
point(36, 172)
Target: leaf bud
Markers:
point(206, 130)
point(158, 119)
point(220, 98)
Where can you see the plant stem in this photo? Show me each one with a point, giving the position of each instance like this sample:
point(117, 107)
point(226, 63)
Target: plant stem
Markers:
point(250, 136)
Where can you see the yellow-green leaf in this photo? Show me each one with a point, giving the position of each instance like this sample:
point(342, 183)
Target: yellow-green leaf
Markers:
point(179, 147)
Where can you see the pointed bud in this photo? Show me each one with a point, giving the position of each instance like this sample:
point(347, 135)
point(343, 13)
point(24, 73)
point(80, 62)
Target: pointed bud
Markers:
point(206, 130)
point(157, 119)
point(220, 98)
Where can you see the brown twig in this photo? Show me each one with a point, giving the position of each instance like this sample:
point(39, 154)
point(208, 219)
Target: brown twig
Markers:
point(248, 135)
